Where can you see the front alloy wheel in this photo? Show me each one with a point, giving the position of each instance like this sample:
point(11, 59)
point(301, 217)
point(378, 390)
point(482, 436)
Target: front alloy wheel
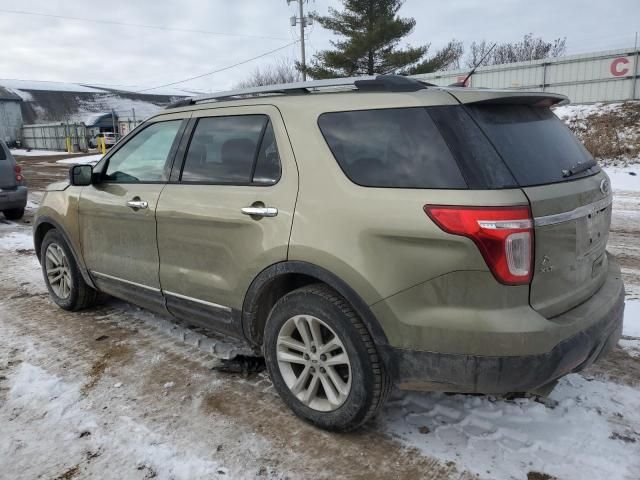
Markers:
point(57, 271)
point(64, 280)
point(314, 363)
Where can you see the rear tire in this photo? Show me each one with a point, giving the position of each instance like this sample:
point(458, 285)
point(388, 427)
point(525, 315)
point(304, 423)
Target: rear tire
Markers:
point(14, 213)
point(335, 379)
point(62, 276)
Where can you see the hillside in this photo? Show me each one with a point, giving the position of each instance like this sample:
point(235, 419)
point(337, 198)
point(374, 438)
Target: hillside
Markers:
point(611, 131)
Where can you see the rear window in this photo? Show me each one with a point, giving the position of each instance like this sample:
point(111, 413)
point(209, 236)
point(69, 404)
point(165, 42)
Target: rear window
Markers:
point(233, 150)
point(535, 145)
point(400, 147)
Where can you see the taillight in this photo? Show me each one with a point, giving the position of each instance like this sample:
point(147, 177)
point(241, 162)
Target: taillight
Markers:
point(18, 171)
point(504, 236)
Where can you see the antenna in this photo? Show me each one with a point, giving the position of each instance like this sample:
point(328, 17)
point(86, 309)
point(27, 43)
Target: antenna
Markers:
point(473, 70)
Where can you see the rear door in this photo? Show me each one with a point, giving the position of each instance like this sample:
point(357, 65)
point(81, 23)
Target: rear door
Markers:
point(227, 213)
point(572, 212)
point(7, 172)
point(118, 214)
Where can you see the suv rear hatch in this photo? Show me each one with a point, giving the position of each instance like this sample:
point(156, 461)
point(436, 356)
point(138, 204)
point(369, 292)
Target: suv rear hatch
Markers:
point(7, 173)
point(570, 197)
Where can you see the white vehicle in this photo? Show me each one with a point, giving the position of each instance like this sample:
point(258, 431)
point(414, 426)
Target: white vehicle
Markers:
point(110, 139)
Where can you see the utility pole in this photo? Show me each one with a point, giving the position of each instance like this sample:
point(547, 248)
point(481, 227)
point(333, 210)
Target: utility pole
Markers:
point(303, 22)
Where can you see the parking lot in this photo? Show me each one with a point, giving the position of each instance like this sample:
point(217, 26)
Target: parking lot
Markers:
point(117, 392)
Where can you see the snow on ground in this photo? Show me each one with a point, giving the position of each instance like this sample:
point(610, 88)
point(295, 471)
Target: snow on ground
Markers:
point(16, 241)
point(92, 159)
point(34, 153)
point(632, 318)
point(626, 178)
point(593, 431)
point(49, 404)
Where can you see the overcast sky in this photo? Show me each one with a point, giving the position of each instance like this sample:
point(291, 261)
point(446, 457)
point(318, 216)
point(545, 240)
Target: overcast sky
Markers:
point(45, 48)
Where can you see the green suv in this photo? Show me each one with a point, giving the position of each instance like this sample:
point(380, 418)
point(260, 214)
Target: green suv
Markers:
point(358, 233)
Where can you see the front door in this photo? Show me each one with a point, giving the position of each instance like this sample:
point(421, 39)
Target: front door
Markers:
point(118, 214)
point(228, 214)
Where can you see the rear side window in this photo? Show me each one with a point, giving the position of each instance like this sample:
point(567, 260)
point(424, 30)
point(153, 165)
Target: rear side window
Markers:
point(3, 155)
point(532, 141)
point(482, 167)
point(400, 147)
point(233, 150)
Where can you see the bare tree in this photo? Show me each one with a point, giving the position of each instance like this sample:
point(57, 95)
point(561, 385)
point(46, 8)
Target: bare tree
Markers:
point(529, 48)
point(283, 70)
point(446, 58)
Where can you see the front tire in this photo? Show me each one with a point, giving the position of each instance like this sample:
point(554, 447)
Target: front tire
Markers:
point(322, 360)
point(62, 276)
point(14, 213)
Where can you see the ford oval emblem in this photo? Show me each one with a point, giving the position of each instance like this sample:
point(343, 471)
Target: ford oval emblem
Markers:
point(605, 187)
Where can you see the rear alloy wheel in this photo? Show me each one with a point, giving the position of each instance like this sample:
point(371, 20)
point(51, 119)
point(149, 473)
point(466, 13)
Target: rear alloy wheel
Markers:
point(314, 363)
point(322, 360)
point(61, 274)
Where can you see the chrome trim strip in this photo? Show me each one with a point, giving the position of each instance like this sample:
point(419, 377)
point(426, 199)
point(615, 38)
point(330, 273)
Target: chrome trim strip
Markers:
point(109, 277)
point(574, 214)
point(195, 300)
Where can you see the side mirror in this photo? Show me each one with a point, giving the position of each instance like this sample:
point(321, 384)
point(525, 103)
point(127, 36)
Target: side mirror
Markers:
point(80, 175)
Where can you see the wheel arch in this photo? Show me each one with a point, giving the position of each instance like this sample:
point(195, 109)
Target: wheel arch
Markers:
point(281, 278)
point(40, 229)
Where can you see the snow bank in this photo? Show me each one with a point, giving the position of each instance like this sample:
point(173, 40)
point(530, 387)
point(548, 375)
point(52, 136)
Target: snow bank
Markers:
point(580, 112)
point(580, 438)
point(611, 131)
point(92, 159)
point(35, 153)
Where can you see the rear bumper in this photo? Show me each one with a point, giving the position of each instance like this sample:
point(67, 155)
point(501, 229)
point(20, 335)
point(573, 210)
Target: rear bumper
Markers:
point(421, 370)
point(10, 199)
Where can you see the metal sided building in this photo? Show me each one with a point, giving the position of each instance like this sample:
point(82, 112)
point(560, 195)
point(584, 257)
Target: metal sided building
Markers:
point(609, 76)
point(10, 116)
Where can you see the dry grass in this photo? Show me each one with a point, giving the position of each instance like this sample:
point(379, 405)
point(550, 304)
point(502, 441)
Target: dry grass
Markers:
point(612, 135)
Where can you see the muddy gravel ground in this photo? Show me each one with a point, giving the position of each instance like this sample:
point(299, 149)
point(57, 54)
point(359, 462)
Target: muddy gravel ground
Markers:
point(117, 392)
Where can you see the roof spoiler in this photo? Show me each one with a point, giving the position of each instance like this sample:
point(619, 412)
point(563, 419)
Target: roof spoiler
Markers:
point(507, 97)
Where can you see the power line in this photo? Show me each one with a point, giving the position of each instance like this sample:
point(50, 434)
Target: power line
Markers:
point(125, 24)
point(220, 69)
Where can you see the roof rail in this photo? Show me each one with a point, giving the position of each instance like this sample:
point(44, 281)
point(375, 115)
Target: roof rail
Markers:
point(380, 83)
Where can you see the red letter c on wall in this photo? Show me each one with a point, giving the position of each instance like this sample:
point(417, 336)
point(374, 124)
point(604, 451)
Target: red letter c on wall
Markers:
point(616, 71)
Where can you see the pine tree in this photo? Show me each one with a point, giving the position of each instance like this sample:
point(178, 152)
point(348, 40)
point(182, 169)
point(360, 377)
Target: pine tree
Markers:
point(371, 31)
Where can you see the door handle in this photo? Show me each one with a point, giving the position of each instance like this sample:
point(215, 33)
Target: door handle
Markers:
point(137, 204)
point(260, 211)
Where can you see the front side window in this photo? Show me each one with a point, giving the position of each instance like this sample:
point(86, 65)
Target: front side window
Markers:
point(233, 150)
point(144, 157)
point(398, 147)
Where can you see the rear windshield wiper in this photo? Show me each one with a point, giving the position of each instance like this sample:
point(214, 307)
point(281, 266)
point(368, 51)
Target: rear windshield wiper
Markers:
point(579, 168)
